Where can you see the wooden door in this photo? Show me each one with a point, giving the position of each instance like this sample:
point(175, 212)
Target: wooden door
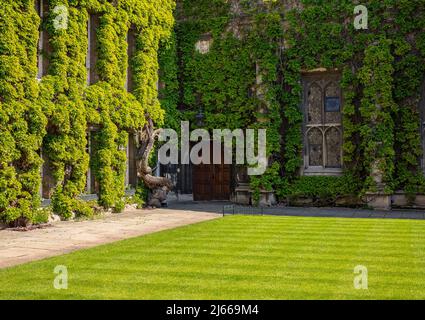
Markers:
point(202, 182)
point(211, 181)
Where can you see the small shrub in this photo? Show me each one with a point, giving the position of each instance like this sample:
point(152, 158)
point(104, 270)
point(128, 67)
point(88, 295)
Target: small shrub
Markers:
point(41, 216)
point(68, 208)
point(141, 196)
point(322, 190)
point(83, 209)
point(62, 205)
point(119, 206)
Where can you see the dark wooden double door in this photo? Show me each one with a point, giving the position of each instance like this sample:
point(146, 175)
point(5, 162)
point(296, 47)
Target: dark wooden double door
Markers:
point(211, 181)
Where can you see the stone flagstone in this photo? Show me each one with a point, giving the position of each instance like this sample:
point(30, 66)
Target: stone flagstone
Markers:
point(64, 237)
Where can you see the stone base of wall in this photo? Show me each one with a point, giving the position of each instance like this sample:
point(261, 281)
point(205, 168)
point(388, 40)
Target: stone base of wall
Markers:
point(401, 200)
point(300, 202)
point(379, 201)
point(349, 201)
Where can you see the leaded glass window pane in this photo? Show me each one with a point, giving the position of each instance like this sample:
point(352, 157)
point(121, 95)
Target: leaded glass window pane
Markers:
point(333, 148)
point(333, 103)
point(315, 150)
point(315, 104)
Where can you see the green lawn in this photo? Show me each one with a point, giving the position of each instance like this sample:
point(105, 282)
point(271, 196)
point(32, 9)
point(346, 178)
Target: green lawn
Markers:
point(240, 257)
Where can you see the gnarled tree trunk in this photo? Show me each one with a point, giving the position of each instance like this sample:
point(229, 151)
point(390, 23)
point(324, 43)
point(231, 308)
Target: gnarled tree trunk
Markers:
point(159, 186)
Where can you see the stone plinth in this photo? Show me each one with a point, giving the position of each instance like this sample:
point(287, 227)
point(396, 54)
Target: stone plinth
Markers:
point(378, 201)
point(244, 195)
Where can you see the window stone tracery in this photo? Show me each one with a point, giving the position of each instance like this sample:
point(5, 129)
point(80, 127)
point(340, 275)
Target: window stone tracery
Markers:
point(323, 124)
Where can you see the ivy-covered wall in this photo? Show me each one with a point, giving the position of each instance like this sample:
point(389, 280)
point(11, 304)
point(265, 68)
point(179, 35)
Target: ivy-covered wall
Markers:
point(52, 116)
point(250, 78)
point(382, 70)
point(22, 120)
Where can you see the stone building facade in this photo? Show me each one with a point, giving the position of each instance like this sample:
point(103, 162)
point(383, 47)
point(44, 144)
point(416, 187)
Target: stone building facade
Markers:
point(337, 115)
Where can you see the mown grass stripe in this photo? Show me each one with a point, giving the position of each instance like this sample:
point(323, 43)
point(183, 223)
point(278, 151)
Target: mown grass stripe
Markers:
point(240, 257)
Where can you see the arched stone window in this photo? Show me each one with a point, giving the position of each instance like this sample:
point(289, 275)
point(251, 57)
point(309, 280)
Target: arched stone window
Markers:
point(322, 109)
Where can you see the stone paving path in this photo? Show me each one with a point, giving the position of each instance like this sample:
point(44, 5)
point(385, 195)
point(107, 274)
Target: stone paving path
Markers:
point(63, 237)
